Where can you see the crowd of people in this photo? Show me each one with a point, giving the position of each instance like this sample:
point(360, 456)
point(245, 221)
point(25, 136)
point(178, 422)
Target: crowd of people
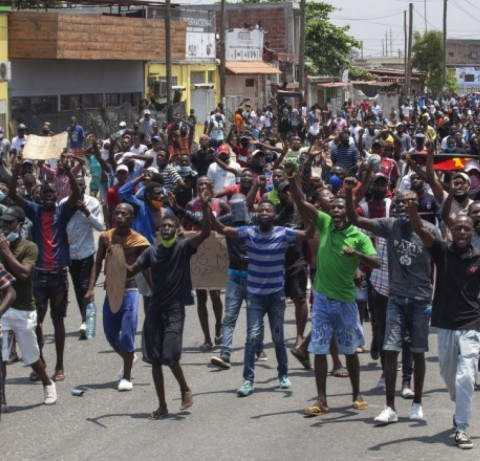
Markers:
point(357, 213)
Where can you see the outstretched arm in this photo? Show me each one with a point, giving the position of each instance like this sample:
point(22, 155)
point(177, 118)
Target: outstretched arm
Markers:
point(352, 214)
point(197, 239)
point(221, 228)
point(412, 203)
point(307, 211)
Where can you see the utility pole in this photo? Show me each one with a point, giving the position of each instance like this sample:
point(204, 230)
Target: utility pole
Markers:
point(386, 43)
point(301, 53)
point(383, 49)
point(405, 43)
point(222, 51)
point(361, 50)
point(168, 60)
point(425, 13)
point(409, 58)
point(391, 43)
point(445, 44)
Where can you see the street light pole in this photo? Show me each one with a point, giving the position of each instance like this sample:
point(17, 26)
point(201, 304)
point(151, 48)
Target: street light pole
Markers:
point(301, 52)
point(168, 60)
point(445, 44)
point(222, 52)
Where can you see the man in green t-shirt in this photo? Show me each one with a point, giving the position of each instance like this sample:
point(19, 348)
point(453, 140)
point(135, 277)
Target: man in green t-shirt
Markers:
point(341, 249)
point(19, 256)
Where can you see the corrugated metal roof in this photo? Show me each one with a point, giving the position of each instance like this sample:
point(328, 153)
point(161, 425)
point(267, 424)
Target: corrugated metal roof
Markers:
point(333, 84)
point(251, 67)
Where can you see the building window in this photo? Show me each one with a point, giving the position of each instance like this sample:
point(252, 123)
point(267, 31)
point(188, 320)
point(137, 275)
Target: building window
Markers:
point(197, 77)
point(473, 55)
point(450, 53)
point(69, 101)
point(92, 101)
point(211, 76)
point(250, 82)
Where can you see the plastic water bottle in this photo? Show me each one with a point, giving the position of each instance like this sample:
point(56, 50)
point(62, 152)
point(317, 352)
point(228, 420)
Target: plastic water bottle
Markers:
point(91, 320)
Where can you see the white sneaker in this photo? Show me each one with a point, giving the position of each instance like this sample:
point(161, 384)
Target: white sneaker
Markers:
point(387, 416)
point(122, 370)
point(83, 331)
point(50, 393)
point(416, 412)
point(125, 385)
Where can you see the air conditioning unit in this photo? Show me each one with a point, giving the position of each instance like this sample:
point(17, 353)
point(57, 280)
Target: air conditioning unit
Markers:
point(5, 71)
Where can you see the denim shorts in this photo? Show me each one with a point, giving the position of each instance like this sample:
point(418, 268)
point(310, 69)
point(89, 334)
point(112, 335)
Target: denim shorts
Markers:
point(406, 316)
point(51, 286)
point(331, 316)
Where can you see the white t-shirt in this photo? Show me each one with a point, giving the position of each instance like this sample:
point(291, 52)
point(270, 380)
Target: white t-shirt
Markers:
point(18, 143)
point(222, 178)
point(140, 150)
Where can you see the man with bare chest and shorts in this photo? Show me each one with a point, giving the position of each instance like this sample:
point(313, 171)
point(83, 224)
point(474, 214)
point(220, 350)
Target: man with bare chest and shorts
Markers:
point(120, 327)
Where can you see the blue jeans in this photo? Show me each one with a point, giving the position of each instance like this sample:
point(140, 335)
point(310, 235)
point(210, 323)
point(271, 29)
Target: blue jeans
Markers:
point(274, 306)
point(235, 293)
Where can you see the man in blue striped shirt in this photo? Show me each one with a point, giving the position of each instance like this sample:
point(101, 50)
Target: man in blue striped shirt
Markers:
point(266, 246)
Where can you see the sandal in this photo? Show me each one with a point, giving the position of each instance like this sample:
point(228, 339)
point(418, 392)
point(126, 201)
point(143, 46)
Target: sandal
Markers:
point(187, 399)
point(305, 361)
point(34, 376)
point(159, 413)
point(315, 410)
point(360, 405)
point(58, 376)
point(218, 340)
point(340, 373)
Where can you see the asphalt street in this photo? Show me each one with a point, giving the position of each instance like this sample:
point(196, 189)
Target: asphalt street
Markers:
point(104, 424)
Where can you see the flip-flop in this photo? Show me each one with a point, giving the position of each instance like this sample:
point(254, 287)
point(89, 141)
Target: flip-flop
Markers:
point(305, 361)
point(159, 413)
point(340, 373)
point(60, 376)
point(360, 405)
point(315, 410)
point(34, 376)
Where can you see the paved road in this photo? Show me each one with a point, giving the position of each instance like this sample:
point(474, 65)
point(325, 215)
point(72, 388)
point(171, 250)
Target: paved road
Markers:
point(268, 425)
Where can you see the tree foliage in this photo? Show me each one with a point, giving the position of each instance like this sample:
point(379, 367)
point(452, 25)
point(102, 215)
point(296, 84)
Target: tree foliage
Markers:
point(34, 4)
point(427, 57)
point(327, 46)
point(452, 83)
point(357, 73)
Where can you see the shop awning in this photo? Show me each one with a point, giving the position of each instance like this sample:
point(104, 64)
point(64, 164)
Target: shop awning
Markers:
point(250, 67)
point(333, 84)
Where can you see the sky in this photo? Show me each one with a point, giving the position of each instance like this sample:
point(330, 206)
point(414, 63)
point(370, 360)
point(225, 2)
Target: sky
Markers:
point(369, 20)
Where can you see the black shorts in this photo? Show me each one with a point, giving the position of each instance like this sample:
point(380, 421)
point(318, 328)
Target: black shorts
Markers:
point(51, 286)
point(163, 335)
point(296, 281)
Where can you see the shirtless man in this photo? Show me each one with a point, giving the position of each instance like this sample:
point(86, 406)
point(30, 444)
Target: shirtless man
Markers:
point(120, 328)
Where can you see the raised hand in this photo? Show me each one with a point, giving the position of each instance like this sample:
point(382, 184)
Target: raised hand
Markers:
point(350, 182)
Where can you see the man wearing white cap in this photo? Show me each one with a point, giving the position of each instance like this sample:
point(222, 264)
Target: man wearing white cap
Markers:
point(19, 141)
point(146, 126)
point(472, 168)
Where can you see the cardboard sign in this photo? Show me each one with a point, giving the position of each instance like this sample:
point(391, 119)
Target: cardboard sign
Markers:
point(209, 265)
point(44, 147)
